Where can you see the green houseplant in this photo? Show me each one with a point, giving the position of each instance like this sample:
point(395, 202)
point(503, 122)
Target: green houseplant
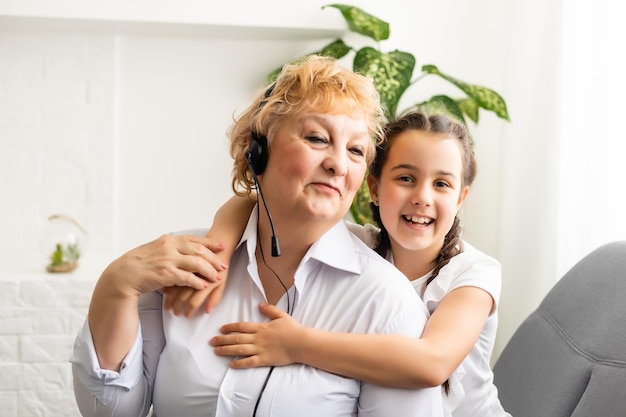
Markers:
point(64, 258)
point(63, 243)
point(393, 73)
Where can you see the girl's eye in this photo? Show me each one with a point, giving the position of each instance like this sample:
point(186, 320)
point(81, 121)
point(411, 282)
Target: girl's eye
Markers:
point(441, 184)
point(405, 178)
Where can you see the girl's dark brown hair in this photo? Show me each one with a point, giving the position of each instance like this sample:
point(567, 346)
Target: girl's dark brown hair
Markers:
point(438, 124)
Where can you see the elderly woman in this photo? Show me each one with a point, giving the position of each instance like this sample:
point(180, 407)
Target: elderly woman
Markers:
point(304, 144)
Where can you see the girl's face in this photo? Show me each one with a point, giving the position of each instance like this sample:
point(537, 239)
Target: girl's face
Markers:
point(420, 190)
point(316, 164)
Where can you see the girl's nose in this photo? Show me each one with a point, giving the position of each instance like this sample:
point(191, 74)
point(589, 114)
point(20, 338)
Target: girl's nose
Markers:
point(422, 195)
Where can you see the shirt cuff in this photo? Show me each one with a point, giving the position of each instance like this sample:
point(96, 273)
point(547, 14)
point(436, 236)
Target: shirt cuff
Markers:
point(88, 369)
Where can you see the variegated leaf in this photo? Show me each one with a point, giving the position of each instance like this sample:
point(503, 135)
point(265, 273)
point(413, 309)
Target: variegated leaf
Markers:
point(442, 104)
point(484, 97)
point(362, 22)
point(469, 108)
point(336, 49)
point(391, 73)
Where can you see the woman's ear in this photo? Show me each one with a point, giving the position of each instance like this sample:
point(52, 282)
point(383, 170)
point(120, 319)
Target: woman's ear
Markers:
point(372, 183)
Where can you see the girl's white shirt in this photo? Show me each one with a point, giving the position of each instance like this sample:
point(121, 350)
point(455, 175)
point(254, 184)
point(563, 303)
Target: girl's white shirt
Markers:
point(472, 392)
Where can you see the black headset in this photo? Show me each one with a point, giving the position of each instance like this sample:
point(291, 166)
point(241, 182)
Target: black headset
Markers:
point(258, 151)
point(257, 156)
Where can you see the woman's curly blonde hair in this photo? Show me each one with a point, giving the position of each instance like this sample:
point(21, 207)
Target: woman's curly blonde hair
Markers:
point(314, 83)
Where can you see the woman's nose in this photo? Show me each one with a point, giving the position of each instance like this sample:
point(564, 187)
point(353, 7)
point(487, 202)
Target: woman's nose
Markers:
point(336, 162)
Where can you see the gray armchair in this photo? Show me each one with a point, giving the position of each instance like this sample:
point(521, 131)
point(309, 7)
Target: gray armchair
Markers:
point(568, 358)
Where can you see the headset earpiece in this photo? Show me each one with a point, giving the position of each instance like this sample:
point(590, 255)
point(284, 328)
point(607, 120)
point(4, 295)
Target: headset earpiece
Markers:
point(257, 153)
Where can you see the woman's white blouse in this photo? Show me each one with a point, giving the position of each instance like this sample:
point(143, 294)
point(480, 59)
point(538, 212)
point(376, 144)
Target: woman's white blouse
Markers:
point(340, 285)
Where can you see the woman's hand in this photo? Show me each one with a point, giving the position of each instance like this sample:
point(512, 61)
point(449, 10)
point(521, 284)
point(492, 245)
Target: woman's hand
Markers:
point(273, 343)
point(170, 260)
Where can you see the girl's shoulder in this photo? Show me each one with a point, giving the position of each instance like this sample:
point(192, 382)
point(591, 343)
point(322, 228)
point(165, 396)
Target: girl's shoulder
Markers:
point(368, 233)
point(470, 268)
point(472, 257)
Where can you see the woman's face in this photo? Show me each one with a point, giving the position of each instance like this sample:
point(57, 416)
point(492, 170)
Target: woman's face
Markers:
point(420, 190)
point(316, 164)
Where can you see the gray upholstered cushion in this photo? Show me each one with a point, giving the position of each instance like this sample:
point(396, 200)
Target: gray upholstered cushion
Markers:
point(568, 358)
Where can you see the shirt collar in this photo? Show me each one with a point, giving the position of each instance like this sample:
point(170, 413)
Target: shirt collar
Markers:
point(336, 247)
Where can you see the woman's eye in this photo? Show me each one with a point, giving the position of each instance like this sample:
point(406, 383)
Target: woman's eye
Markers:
point(357, 150)
point(316, 139)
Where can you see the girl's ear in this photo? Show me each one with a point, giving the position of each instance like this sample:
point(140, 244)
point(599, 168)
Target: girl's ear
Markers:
point(372, 183)
point(462, 196)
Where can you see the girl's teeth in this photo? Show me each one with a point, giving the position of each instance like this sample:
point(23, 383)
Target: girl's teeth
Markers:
point(419, 220)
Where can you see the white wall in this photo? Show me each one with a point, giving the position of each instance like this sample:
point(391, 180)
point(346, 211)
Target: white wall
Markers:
point(527, 230)
point(142, 109)
point(177, 97)
point(116, 115)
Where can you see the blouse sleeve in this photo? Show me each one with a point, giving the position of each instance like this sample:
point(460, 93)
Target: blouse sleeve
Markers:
point(470, 268)
point(103, 392)
point(378, 401)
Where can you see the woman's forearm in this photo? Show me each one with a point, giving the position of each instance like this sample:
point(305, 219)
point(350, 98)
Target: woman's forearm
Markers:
point(114, 321)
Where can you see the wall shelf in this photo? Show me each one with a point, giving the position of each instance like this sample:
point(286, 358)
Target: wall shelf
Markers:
point(245, 19)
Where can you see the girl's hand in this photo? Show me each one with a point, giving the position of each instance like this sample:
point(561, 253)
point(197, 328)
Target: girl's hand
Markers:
point(273, 343)
point(186, 300)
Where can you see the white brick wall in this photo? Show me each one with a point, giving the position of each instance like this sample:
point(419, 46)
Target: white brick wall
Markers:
point(56, 138)
point(40, 315)
point(56, 156)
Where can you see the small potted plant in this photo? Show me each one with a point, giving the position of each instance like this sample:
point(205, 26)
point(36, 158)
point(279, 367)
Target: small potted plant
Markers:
point(63, 243)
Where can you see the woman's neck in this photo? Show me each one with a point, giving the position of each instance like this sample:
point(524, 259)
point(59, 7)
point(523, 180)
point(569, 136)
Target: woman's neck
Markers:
point(277, 272)
point(294, 236)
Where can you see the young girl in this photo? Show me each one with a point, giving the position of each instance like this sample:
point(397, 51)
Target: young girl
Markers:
point(418, 183)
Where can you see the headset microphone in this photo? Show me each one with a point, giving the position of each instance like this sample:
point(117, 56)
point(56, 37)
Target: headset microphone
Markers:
point(256, 157)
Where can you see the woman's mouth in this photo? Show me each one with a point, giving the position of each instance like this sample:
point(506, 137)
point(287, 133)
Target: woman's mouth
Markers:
point(328, 188)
